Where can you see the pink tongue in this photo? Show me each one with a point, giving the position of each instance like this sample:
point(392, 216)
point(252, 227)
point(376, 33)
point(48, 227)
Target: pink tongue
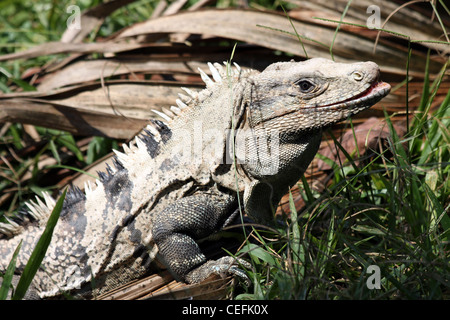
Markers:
point(377, 86)
point(374, 88)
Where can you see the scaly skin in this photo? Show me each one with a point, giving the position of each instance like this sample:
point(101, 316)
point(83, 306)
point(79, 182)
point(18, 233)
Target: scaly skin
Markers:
point(249, 134)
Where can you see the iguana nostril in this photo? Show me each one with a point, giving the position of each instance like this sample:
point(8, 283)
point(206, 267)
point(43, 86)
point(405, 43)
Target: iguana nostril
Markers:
point(358, 76)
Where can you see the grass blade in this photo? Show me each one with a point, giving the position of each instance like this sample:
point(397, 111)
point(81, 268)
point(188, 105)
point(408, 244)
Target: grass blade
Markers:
point(8, 276)
point(39, 251)
point(298, 254)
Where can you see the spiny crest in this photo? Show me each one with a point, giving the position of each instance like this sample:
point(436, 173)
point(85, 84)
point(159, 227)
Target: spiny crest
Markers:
point(144, 145)
point(74, 195)
point(148, 141)
point(34, 211)
point(220, 73)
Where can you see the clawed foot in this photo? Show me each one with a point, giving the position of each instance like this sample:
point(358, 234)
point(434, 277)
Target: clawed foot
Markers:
point(223, 267)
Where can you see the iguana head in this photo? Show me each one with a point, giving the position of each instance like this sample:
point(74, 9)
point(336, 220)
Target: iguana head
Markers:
point(314, 94)
point(288, 105)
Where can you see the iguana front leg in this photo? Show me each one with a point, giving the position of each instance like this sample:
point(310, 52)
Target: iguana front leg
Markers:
point(177, 227)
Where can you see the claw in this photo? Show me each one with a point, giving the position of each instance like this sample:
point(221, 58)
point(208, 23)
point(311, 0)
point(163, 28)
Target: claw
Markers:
point(223, 267)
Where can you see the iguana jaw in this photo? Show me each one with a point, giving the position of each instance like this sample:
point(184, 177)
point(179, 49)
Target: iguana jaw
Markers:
point(321, 116)
point(367, 98)
point(336, 91)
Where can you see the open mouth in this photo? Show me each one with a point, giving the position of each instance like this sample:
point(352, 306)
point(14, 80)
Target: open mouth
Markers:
point(370, 96)
point(375, 89)
point(357, 103)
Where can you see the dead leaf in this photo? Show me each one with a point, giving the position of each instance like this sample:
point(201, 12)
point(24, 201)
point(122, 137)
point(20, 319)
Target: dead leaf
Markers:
point(80, 122)
point(409, 20)
point(92, 19)
point(118, 110)
point(89, 70)
point(255, 27)
point(50, 48)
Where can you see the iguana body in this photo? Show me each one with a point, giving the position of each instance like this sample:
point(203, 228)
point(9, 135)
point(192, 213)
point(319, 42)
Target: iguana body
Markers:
point(180, 181)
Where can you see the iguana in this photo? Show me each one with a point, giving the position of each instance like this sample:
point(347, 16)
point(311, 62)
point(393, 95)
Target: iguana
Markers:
point(237, 145)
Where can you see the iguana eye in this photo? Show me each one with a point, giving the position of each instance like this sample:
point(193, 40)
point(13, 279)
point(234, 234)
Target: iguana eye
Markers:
point(305, 86)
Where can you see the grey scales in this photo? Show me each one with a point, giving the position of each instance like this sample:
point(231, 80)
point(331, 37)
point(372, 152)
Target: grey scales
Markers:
point(246, 138)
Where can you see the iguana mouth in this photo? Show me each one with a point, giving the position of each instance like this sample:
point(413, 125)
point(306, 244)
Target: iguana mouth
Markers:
point(371, 95)
point(367, 98)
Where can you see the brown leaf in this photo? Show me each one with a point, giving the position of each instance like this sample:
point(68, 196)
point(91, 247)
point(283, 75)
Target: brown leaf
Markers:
point(136, 289)
point(43, 113)
point(254, 27)
point(408, 20)
point(49, 48)
point(117, 110)
point(92, 19)
point(212, 288)
point(89, 70)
